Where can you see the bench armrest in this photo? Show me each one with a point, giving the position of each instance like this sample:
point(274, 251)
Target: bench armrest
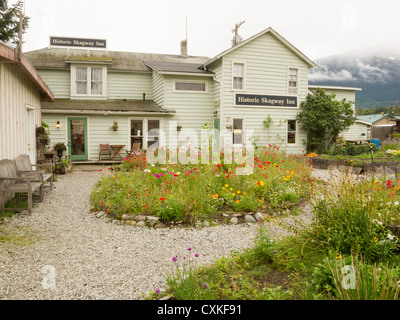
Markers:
point(18, 179)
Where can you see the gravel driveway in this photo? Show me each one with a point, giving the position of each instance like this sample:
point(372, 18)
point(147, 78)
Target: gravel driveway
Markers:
point(68, 253)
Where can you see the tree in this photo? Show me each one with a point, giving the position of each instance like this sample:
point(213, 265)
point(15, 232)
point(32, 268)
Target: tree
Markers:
point(324, 118)
point(9, 21)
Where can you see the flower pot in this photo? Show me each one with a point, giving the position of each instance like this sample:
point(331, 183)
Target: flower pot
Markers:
point(60, 153)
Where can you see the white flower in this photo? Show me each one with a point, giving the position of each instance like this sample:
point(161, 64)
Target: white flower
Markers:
point(396, 203)
point(146, 170)
point(390, 237)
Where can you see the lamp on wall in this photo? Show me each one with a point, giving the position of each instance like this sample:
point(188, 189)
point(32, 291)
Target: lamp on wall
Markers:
point(58, 125)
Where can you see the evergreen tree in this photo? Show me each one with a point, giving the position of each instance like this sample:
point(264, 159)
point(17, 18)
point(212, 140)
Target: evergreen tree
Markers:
point(9, 21)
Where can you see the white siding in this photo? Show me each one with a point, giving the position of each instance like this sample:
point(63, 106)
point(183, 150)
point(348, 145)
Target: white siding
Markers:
point(124, 85)
point(58, 81)
point(267, 62)
point(158, 89)
point(17, 92)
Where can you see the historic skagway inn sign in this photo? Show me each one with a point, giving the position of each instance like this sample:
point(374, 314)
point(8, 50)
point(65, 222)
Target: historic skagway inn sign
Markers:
point(263, 100)
point(122, 98)
point(78, 42)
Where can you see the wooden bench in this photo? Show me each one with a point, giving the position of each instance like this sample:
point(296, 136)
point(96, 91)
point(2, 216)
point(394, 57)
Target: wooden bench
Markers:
point(25, 168)
point(12, 182)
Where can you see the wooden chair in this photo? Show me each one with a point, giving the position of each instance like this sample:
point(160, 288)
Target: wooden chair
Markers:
point(104, 151)
point(25, 168)
point(135, 148)
point(11, 183)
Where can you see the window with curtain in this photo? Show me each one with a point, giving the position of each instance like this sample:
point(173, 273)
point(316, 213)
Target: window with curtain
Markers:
point(238, 76)
point(81, 80)
point(96, 81)
point(293, 80)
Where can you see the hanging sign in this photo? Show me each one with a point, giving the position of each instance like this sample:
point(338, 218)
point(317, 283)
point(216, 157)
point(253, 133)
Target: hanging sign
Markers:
point(265, 100)
point(78, 42)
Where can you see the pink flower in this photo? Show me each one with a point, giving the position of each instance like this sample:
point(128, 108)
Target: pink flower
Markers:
point(174, 259)
point(158, 291)
point(196, 255)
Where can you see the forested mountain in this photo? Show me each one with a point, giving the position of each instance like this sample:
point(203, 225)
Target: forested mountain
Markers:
point(376, 72)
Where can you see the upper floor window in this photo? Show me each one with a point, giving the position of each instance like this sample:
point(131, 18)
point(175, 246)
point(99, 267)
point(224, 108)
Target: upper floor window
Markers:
point(293, 83)
point(238, 76)
point(190, 86)
point(88, 80)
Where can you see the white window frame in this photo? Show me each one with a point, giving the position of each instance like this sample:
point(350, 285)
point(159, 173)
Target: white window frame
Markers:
point(295, 132)
point(88, 94)
point(243, 131)
point(189, 81)
point(293, 90)
point(244, 75)
point(145, 130)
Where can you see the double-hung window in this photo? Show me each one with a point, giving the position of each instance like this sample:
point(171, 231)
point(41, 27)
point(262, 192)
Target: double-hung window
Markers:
point(293, 83)
point(238, 76)
point(88, 81)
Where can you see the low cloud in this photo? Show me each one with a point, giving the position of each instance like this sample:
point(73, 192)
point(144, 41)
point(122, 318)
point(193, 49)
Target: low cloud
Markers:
point(324, 74)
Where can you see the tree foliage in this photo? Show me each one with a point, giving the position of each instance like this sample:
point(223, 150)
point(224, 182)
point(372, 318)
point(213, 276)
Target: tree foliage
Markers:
point(324, 118)
point(9, 21)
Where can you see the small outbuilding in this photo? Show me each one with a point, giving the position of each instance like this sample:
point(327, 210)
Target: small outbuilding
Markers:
point(21, 93)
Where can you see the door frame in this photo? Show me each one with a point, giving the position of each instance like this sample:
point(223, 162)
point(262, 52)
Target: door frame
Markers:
point(85, 126)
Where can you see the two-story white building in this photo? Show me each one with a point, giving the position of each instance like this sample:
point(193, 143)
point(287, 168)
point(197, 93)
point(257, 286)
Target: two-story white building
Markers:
point(96, 90)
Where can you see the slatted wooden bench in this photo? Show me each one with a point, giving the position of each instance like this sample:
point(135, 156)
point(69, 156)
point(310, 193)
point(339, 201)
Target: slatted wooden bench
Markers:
point(25, 168)
point(11, 182)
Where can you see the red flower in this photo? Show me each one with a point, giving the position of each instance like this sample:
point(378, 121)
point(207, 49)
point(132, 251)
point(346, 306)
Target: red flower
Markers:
point(162, 199)
point(389, 183)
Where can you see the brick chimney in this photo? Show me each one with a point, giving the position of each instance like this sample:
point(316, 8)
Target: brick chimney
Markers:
point(184, 51)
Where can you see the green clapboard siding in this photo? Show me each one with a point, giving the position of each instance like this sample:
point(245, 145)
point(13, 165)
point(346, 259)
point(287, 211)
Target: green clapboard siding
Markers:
point(58, 81)
point(124, 85)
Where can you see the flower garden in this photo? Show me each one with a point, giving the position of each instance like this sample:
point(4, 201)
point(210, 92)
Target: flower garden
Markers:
point(177, 192)
point(350, 250)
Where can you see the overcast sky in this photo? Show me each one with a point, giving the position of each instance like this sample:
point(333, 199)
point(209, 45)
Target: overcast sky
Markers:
point(318, 28)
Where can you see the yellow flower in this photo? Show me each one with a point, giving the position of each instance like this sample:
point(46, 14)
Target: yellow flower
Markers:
point(223, 188)
point(338, 257)
point(262, 183)
point(226, 186)
point(238, 192)
point(230, 189)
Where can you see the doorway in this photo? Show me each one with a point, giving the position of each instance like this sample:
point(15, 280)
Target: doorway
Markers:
point(77, 138)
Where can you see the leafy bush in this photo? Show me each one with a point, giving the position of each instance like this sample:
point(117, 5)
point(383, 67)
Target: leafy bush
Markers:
point(352, 150)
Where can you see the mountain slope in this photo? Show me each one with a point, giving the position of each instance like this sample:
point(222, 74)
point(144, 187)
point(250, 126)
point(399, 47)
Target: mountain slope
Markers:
point(377, 73)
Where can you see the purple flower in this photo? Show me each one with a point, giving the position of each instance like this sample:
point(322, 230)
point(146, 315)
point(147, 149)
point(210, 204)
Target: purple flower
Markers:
point(196, 255)
point(158, 291)
point(205, 285)
point(190, 248)
point(174, 259)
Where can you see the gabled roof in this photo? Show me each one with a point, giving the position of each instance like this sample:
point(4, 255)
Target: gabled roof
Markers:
point(276, 35)
point(10, 54)
point(372, 118)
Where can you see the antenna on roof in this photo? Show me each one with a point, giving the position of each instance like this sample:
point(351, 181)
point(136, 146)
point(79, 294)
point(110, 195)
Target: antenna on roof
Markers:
point(237, 38)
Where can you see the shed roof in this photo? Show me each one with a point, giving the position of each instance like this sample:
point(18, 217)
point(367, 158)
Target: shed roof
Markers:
point(104, 106)
point(117, 60)
point(372, 118)
point(174, 67)
point(10, 54)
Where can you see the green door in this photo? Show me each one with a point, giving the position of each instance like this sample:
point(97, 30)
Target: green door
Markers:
point(77, 138)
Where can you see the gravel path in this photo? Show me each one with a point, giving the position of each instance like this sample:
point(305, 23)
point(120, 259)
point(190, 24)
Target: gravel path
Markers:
point(68, 253)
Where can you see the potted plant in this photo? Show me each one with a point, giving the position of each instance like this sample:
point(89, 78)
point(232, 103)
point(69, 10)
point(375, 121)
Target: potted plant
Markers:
point(60, 148)
point(114, 126)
